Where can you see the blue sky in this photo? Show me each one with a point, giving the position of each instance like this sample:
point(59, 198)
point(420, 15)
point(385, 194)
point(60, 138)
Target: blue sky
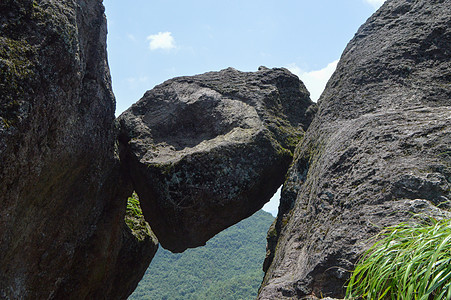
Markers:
point(150, 41)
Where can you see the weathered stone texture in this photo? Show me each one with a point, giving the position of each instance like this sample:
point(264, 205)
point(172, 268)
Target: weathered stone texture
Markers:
point(377, 152)
point(207, 151)
point(204, 152)
point(61, 194)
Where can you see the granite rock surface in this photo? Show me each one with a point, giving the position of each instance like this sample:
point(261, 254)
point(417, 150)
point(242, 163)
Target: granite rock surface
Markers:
point(207, 151)
point(62, 195)
point(377, 152)
point(203, 152)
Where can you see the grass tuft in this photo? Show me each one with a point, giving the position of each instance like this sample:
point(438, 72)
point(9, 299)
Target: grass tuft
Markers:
point(135, 220)
point(133, 207)
point(409, 262)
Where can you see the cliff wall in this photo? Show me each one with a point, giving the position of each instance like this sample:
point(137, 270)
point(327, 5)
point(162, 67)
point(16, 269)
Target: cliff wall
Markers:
point(377, 152)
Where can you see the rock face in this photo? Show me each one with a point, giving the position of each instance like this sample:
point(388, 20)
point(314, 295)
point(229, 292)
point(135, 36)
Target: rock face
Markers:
point(377, 151)
point(207, 151)
point(62, 198)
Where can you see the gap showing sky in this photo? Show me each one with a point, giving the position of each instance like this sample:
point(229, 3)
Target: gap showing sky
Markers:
point(153, 41)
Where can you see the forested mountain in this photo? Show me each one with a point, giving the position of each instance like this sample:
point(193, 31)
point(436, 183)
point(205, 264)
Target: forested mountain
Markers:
point(229, 266)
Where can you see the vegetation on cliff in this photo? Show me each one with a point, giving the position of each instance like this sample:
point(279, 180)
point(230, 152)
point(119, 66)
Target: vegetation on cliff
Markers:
point(228, 267)
point(409, 262)
point(199, 173)
point(374, 155)
point(135, 220)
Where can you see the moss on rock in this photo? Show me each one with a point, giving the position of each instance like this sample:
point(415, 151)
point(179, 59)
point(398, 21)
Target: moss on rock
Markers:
point(135, 220)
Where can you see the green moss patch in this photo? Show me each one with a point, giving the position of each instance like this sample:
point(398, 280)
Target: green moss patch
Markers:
point(135, 220)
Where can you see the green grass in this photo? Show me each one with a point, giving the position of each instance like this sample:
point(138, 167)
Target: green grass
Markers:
point(409, 262)
point(135, 220)
point(133, 207)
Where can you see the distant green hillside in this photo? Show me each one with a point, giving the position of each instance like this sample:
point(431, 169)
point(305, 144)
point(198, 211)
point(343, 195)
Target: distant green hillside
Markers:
point(228, 267)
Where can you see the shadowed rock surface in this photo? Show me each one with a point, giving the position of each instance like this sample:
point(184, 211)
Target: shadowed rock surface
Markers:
point(207, 151)
point(62, 198)
point(377, 152)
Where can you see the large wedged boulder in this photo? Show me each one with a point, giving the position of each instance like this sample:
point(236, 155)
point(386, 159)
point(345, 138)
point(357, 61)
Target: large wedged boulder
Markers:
point(62, 197)
point(377, 152)
point(207, 151)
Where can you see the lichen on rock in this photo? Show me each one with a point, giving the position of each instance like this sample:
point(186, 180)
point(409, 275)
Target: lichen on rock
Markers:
point(206, 151)
point(62, 193)
point(376, 153)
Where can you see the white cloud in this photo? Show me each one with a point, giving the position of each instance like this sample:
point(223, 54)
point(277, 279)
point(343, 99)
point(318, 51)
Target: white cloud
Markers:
point(315, 81)
point(131, 37)
point(375, 3)
point(161, 40)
